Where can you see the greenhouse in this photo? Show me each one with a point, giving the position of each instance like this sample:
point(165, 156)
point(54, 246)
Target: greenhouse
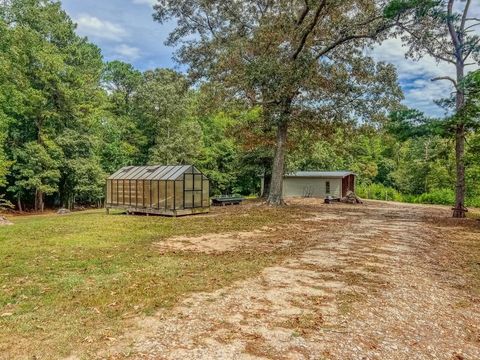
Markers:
point(164, 190)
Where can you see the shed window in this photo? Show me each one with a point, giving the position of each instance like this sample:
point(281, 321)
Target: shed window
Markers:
point(327, 187)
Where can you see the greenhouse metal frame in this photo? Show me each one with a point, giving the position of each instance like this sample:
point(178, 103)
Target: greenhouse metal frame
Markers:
point(171, 190)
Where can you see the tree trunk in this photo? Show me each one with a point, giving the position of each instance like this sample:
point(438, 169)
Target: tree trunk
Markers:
point(39, 200)
point(19, 203)
point(276, 184)
point(459, 209)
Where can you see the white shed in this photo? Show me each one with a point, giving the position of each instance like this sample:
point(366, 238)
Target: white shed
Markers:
point(318, 183)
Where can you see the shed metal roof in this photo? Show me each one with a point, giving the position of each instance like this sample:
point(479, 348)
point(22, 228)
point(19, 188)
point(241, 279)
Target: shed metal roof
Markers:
point(320, 174)
point(154, 172)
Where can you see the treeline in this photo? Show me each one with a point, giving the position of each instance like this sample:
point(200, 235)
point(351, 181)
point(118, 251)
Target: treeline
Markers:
point(68, 119)
point(395, 165)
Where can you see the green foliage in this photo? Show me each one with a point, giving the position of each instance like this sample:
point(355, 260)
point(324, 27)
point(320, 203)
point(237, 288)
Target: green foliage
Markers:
point(419, 8)
point(67, 119)
point(379, 192)
point(410, 123)
point(53, 93)
point(218, 158)
point(36, 167)
point(301, 62)
point(438, 196)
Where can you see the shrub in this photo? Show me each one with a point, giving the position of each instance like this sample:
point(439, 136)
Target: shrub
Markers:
point(379, 192)
point(438, 196)
point(473, 202)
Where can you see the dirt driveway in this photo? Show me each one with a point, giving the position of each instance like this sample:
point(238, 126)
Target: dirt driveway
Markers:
point(374, 281)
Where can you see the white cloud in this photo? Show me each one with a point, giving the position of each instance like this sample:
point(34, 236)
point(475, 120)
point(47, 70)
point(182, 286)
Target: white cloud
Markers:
point(148, 2)
point(126, 52)
point(94, 27)
point(415, 76)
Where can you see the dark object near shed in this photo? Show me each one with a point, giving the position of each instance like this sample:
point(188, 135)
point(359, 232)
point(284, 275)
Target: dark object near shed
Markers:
point(329, 199)
point(171, 190)
point(223, 200)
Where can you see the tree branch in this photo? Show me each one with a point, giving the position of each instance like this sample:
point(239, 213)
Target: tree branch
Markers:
point(309, 30)
point(427, 49)
point(464, 16)
point(451, 28)
point(472, 47)
point(471, 26)
point(446, 78)
point(344, 39)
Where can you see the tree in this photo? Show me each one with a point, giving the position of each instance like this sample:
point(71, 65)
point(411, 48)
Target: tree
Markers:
point(121, 81)
point(294, 59)
point(436, 29)
point(123, 139)
point(36, 169)
point(163, 105)
point(52, 90)
point(5, 164)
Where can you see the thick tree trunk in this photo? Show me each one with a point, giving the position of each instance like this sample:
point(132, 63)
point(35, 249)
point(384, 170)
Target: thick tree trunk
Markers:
point(39, 201)
point(276, 184)
point(459, 209)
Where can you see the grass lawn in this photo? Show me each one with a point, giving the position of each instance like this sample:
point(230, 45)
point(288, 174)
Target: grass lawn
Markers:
point(72, 282)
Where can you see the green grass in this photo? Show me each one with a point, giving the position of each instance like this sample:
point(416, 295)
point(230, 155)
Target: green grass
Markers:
point(69, 283)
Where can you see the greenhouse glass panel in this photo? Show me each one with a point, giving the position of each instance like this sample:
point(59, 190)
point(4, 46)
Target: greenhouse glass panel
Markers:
point(139, 193)
point(170, 194)
point(126, 192)
point(188, 182)
point(146, 193)
point(188, 199)
point(109, 191)
point(198, 182)
point(114, 192)
point(133, 193)
point(154, 194)
point(197, 197)
point(206, 193)
point(162, 194)
point(120, 191)
point(178, 194)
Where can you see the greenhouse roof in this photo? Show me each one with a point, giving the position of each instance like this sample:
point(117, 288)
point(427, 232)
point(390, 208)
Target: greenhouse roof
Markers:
point(154, 172)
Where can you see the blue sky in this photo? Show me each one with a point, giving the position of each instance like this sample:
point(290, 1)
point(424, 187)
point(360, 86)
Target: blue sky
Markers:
point(125, 30)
